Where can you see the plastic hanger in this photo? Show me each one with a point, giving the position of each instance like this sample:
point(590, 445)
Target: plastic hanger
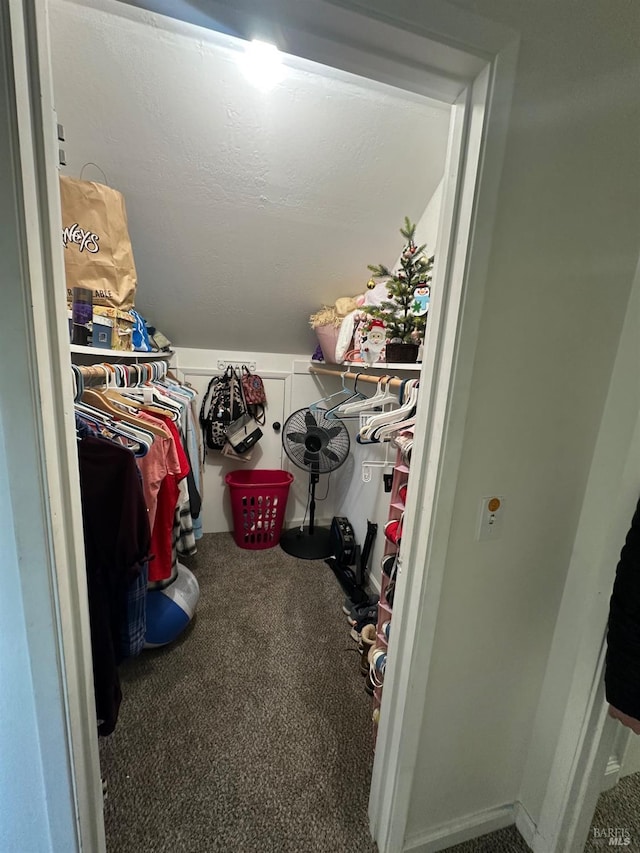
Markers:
point(343, 390)
point(101, 418)
point(103, 404)
point(78, 382)
point(141, 441)
point(152, 398)
point(334, 412)
point(385, 433)
point(396, 416)
point(381, 397)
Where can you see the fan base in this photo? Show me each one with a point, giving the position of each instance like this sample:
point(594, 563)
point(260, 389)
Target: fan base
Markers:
point(307, 546)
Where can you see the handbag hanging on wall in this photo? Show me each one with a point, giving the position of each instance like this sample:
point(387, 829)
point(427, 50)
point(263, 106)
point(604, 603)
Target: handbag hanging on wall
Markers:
point(225, 405)
point(244, 432)
point(255, 397)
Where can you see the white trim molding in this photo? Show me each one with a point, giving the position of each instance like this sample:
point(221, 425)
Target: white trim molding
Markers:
point(524, 823)
point(479, 124)
point(61, 664)
point(463, 829)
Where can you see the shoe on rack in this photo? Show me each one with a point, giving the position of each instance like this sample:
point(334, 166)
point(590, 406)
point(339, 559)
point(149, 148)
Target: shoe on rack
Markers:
point(356, 630)
point(388, 564)
point(367, 639)
point(368, 684)
point(349, 605)
point(359, 614)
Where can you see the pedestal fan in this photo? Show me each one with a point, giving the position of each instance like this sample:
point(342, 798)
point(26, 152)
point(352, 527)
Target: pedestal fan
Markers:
point(318, 445)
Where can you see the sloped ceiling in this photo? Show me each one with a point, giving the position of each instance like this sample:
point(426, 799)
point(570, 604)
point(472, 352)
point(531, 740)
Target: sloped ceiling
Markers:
point(247, 210)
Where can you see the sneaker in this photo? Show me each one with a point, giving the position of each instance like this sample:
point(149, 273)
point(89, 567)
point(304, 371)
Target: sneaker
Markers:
point(349, 605)
point(367, 639)
point(356, 630)
point(358, 614)
point(388, 564)
point(368, 684)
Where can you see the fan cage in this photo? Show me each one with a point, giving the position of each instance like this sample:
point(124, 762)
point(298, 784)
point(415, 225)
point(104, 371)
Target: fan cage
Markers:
point(315, 442)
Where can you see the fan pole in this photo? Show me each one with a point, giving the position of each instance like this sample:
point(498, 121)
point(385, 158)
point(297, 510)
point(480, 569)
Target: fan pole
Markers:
point(315, 478)
point(314, 543)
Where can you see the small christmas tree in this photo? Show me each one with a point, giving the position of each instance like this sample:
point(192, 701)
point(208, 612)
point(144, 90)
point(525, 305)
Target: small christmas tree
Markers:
point(401, 311)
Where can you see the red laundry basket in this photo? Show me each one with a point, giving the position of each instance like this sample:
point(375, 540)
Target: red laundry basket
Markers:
point(258, 502)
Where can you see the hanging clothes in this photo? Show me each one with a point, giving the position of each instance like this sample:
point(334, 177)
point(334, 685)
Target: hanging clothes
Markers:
point(137, 487)
point(117, 540)
point(160, 462)
point(622, 668)
point(170, 497)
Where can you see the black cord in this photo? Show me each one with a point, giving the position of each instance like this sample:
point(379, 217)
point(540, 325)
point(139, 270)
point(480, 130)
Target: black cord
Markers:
point(306, 510)
point(326, 494)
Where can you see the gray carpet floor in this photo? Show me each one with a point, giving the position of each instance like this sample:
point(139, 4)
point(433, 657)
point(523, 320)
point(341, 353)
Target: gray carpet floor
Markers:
point(617, 808)
point(253, 731)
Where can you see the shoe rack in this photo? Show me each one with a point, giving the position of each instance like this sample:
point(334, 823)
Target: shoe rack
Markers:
point(387, 585)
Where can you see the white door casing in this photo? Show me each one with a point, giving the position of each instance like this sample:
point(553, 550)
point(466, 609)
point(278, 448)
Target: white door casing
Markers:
point(40, 446)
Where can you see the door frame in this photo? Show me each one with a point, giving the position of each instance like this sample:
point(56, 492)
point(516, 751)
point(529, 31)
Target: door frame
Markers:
point(458, 57)
point(51, 498)
point(471, 178)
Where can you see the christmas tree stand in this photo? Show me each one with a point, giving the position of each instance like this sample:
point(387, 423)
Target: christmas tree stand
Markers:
point(401, 353)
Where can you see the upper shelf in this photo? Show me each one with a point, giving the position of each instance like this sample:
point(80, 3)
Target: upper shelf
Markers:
point(382, 365)
point(100, 354)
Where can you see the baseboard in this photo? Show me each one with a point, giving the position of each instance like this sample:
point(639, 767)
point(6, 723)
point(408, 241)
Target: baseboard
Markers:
point(524, 823)
point(296, 522)
point(374, 584)
point(464, 829)
point(612, 773)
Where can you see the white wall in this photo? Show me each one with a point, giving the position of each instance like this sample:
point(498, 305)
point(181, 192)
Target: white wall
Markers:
point(612, 493)
point(631, 763)
point(22, 794)
point(564, 252)
point(247, 209)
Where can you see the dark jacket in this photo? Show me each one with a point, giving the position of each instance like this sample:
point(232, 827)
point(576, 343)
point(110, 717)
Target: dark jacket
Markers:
point(622, 670)
point(116, 542)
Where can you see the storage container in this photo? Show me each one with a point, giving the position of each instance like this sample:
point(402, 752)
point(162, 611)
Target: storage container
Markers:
point(258, 502)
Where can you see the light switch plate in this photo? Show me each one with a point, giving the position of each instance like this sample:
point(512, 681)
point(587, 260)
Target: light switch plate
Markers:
point(491, 518)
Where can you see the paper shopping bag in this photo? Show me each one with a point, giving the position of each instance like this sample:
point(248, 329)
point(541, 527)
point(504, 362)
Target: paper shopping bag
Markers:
point(97, 248)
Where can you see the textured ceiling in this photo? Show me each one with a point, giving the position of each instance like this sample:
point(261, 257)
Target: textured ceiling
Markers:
point(247, 210)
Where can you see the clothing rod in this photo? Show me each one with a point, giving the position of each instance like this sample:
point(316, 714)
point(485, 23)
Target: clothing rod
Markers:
point(394, 382)
point(120, 375)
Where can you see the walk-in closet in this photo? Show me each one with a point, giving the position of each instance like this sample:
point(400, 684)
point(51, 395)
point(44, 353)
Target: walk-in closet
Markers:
point(318, 425)
point(244, 427)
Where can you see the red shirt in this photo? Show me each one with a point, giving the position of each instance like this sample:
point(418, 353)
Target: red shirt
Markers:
point(162, 536)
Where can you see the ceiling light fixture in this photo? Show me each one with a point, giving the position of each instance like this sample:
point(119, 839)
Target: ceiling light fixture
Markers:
point(262, 64)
